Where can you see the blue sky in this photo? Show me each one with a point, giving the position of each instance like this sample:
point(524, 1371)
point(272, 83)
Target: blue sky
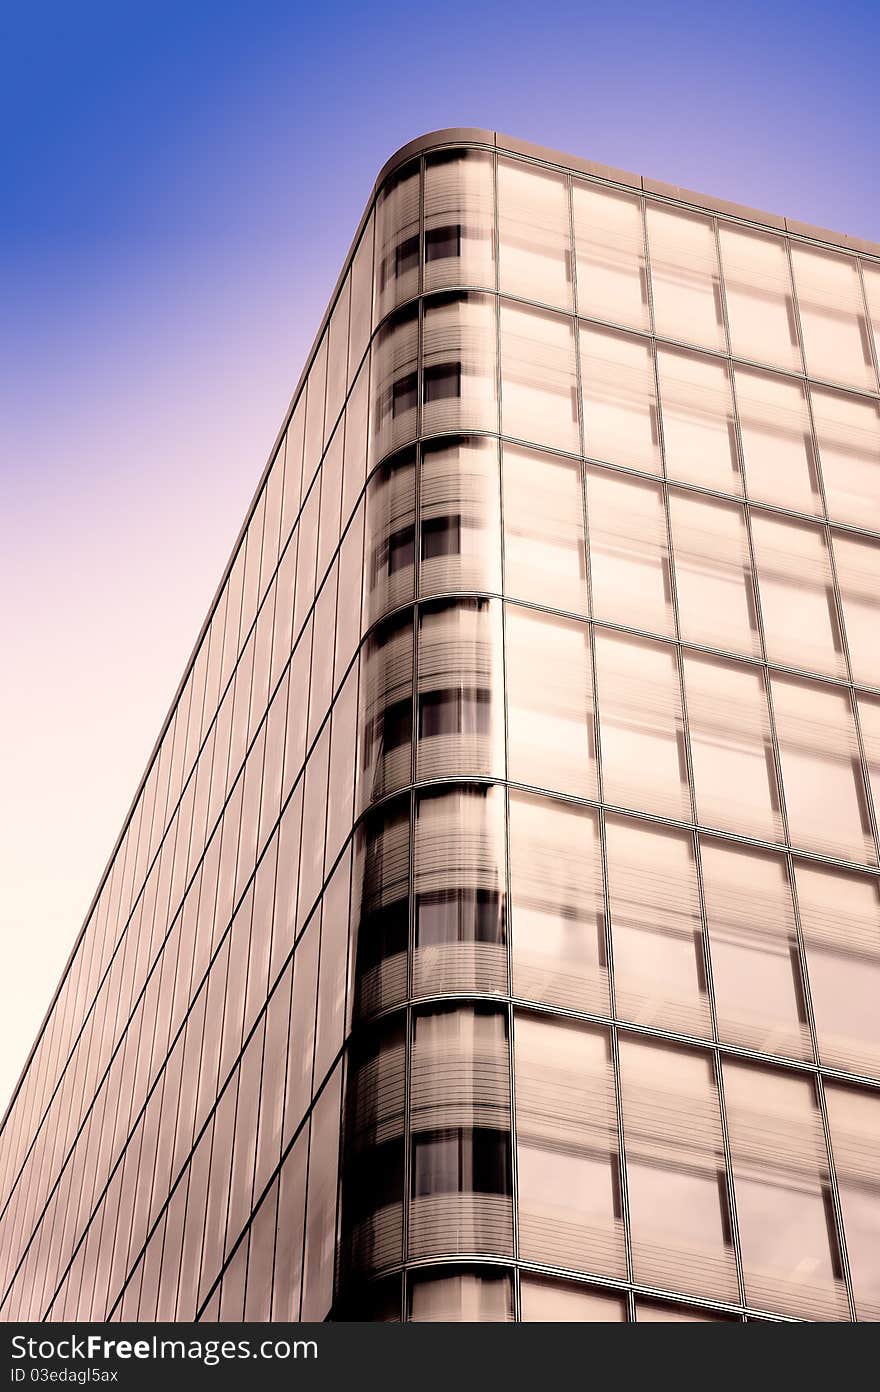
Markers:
point(179, 187)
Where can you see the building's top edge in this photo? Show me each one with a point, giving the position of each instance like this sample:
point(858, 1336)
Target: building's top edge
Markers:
point(508, 144)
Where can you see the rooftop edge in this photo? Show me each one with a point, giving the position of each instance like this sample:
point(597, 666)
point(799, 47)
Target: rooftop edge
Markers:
point(506, 144)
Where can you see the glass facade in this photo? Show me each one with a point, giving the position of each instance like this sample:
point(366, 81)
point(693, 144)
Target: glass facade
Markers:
point(495, 934)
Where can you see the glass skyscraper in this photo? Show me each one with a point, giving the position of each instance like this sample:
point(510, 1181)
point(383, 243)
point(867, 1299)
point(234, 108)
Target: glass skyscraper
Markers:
point(495, 933)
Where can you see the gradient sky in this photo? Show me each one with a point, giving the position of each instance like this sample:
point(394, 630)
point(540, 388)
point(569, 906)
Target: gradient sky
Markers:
point(180, 183)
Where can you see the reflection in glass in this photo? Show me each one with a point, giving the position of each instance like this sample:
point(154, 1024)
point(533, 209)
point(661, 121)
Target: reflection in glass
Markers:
point(612, 282)
point(381, 884)
point(390, 538)
point(394, 384)
point(459, 219)
point(656, 936)
point(836, 340)
point(824, 789)
point(713, 573)
point(858, 575)
point(756, 969)
point(760, 303)
point(840, 918)
point(676, 1179)
point(533, 233)
point(460, 1122)
point(644, 763)
point(460, 516)
point(567, 1151)
point(469, 1296)
point(538, 378)
point(544, 550)
point(546, 1300)
point(731, 747)
point(459, 892)
point(699, 432)
point(629, 561)
point(558, 909)
point(848, 433)
point(372, 1182)
point(386, 710)
point(854, 1120)
point(684, 277)
point(458, 364)
point(797, 595)
point(460, 727)
point(780, 462)
point(620, 399)
point(784, 1210)
point(550, 731)
point(397, 241)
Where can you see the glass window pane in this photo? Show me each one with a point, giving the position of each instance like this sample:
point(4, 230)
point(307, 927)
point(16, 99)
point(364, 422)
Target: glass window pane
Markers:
point(731, 747)
point(551, 741)
point(848, 434)
point(354, 464)
point(836, 341)
point(475, 1298)
point(460, 942)
point(460, 720)
point(372, 1178)
point(350, 596)
point(777, 443)
point(390, 537)
point(797, 595)
point(458, 364)
point(316, 391)
point(644, 764)
point(394, 384)
point(460, 516)
point(620, 399)
point(783, 1198)
point(858, 574)
point(381, 879)
point(699, 432)
point(558, 907)
point(629, 561)
point(320, 1240)
point(854, 1119)
point(869, 720)
point(386, 710)
point(656, 936)
point(681, 1234)
point(459, 219)
point(460, 1118)
point(713, 572)
point(544, 550)
point(538, 379)
point(684, 277)
point(397, 241)
point(648, 1313)
point(337, 360)
point(760, 304)
point(756, 971)
point(824, 790)
point(361, 300)
point(840, 919)
point(543, 1299)
point(534, 233)
point(331, 500)
point(871, 279)
point(567, 1150)
point(287, 1279)
point(612, 282)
